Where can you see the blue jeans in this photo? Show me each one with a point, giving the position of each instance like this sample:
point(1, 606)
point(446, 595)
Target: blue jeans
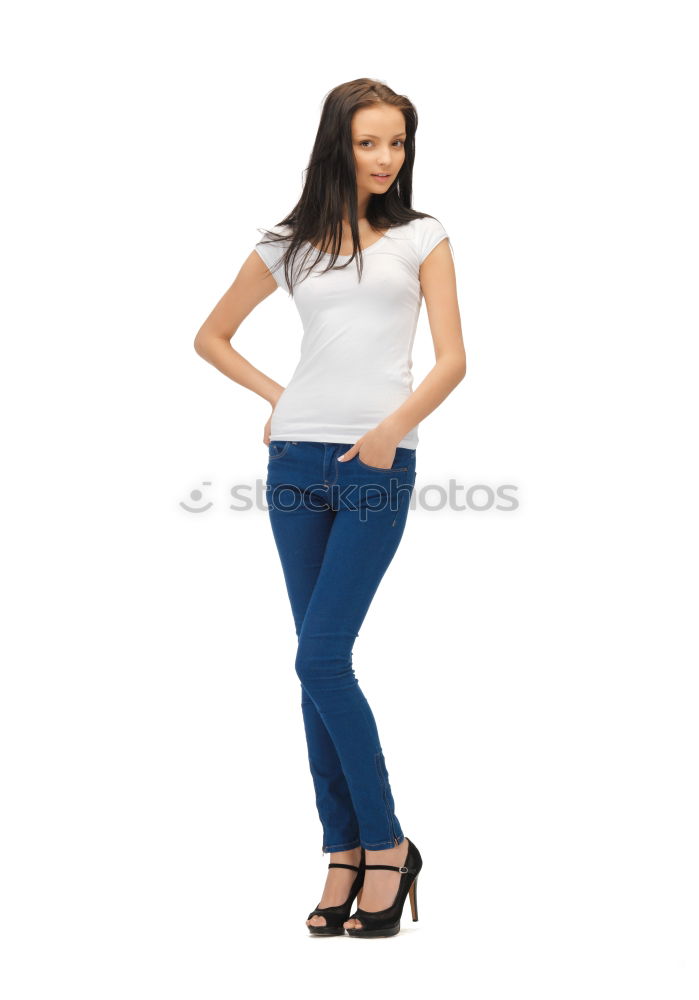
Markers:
point(337, 527)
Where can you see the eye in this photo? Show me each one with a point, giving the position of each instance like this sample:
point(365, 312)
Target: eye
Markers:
point(362, 141)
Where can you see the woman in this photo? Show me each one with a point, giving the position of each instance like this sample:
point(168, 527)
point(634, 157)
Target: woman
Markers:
point(342, 440)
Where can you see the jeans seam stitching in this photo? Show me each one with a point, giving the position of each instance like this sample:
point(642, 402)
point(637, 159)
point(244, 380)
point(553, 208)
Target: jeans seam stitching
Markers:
point(382, 779)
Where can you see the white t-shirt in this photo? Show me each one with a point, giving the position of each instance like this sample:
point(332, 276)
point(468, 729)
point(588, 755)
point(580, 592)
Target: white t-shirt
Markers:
point(355, 364)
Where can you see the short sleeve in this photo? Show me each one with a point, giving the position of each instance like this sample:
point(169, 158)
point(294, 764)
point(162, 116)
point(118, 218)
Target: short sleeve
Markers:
point(272, 253)
point(430, 233)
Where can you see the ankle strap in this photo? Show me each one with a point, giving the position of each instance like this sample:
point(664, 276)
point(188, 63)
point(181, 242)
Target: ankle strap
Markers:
point(389, 868)
point(339, 864)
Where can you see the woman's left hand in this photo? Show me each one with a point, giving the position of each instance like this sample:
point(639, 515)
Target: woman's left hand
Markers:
point(374, 448)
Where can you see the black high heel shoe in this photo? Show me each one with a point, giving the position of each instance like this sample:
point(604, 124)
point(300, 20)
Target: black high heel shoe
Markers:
point(335, 916)
point(384, 923)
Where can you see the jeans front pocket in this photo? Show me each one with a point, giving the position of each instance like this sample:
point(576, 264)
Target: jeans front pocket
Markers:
point(278, 448)
point(400, 462)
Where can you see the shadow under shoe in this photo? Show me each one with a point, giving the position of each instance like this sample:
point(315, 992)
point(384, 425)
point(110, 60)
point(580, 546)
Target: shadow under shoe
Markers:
point(335, 916)
point(384, 923)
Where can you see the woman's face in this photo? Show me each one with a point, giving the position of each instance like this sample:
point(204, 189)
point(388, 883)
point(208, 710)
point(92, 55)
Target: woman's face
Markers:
point(378, 139)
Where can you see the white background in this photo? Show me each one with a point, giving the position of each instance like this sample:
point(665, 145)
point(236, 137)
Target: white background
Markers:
point(531, 671)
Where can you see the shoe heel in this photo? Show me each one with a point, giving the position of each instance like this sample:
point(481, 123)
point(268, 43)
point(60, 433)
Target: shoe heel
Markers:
point(412, 892)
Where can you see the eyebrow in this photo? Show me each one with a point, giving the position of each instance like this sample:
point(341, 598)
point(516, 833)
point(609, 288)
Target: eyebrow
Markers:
point(370, 136)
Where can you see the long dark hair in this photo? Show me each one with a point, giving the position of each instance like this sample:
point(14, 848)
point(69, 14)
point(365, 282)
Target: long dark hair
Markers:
point(330, 184)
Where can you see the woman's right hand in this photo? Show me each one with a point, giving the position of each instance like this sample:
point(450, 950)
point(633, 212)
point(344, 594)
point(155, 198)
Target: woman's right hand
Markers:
point(268, 426)
point(267, 430)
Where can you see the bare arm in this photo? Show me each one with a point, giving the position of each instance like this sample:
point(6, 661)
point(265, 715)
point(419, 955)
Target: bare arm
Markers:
point(438, 281)
point(213, 341)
